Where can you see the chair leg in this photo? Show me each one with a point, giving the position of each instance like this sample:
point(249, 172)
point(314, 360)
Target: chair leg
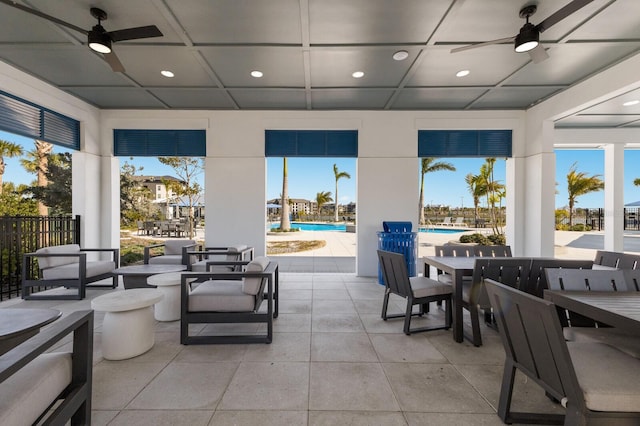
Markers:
point(506, 391)
point(448, 314)
point(475, 325)
point(407, 317)
point(385, 304)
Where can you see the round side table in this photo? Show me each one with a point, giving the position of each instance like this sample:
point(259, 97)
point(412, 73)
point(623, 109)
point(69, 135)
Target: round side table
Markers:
point(128, 325)
point(168, 309)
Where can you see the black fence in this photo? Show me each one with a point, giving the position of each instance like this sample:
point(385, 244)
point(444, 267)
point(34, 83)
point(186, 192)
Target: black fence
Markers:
point(593, 219)
point(26, 234)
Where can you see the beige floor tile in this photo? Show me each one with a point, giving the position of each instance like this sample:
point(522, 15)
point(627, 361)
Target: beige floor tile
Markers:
point(295, 294)
point(345, 323)
point(116, 383)
point(355, 418)
point(491, 352)
point(183, 386)
point(350, 386)
point(211, 353)
point(330, 284)
point(434, 388)
point(162, 418)
point(291, 323)
point(259, 418)
point(344, 347)
point(331, 294)
point(333, 307)
point(453, 419)
point(286, 347)
point(268, 386)
point(102, 418)
point(295, 306)
point(403, 348)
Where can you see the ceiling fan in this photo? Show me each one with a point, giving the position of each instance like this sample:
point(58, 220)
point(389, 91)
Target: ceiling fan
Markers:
point(528, 39)
point(98, 39)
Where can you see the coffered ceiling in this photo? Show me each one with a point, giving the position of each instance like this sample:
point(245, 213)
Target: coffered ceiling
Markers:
point(307, 51)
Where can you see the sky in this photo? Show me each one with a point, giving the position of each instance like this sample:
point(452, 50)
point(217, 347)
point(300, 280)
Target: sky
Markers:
point(308, 176)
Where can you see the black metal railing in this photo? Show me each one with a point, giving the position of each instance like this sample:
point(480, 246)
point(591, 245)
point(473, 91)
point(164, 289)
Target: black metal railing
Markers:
point(26, 234)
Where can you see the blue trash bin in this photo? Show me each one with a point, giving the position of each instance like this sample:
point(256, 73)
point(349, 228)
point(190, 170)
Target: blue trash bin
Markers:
point(398, 238)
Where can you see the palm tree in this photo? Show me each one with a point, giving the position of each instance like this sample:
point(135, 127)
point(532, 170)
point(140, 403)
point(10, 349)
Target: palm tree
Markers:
point(578, 183)
point(338, 176)
point(636, 181)
point(429, 164)
point(9, 150)
point(285, 222)
point(37, 161)
point(477, 189)
point(323, 198)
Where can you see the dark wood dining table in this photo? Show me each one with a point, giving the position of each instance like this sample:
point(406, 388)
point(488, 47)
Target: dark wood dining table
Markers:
point(18, 325)
point(619, 309)
point(457, 267)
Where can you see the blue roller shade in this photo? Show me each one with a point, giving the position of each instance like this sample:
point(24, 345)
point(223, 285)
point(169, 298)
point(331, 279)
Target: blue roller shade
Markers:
point(159, 143)
point(464, 143)
point(311, 143)
point(27, 119)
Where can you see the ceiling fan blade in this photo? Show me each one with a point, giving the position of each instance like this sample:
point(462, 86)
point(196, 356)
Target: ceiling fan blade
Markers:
point(559, 15)
point(135, 33)
point(44, 16)
point(538, 54)
point(113, 61)
point(485, 43)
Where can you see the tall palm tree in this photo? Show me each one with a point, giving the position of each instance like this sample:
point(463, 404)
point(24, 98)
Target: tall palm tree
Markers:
point(429, 164)
point(578, 183)
point(339, 175)
point(477, 189)
point(9, 150)
point(37, 161)
point(285, 222)
point(323, 198)
point(636, 181)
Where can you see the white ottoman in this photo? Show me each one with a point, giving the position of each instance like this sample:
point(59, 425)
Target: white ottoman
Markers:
point(128, 326)
point(168, 309)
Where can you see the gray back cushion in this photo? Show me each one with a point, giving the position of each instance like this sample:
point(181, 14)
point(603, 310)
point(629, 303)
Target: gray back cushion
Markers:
point(251, 285)
point(175, 246)
point(50, 262)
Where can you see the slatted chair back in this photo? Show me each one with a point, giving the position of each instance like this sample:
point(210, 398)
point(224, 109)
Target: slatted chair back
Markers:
point(455, 251)
point(584, 280)
point(534, 344)
point(632, 278)
point(537, 281)
point(511, 271)
point(629, 261)
point(492, 251)
point(394, 273)
point(607, 258)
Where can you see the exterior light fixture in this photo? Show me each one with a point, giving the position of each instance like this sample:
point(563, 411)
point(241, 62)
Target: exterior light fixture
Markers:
point(357, 74)
point(99, 40)
point(527, 39)
point(631, 103)
point(400, 55)
point(256, 74)
point(167, 73)
point(463, 73)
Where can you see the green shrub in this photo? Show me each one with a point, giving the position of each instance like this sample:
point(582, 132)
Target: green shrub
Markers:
point(580, 227)
point(497, 239)
point(562, 227)
point(130, 258)
point(474, 238)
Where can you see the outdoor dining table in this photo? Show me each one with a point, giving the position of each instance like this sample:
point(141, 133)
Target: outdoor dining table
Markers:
point(457, 267)
point(619, 309)
point(18, 325)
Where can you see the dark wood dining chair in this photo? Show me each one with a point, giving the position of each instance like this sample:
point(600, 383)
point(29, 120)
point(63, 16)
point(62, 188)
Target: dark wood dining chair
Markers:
point(534, 344)
point(492, 251)
point(416, 290)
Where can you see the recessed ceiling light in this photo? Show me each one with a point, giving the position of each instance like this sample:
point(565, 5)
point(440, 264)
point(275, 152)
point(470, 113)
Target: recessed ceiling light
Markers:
point(167, 73)
point(256, 74)
point(401, 55)
point(462, 73)
point(357, 74)
point(631, 103)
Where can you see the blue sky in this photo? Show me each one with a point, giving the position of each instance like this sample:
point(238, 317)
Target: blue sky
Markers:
point(308, 176)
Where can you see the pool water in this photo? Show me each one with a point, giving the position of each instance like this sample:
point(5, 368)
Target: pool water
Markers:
point(304, 226)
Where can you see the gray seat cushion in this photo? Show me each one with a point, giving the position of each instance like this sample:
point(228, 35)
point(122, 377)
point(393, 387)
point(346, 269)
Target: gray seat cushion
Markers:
point(30, 391)
point(626, 342)
point(424, 287)
point(608, 377)
point(220, 296)
point(72, 270)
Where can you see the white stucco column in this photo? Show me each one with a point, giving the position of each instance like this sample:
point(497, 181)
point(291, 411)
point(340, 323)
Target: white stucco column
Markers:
point(539, 201)
point(614, 197)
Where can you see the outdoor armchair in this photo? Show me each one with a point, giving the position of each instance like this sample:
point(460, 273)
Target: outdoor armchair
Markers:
point(220, 259)
point(66, 266)
point(175, 252)
point(229, 297)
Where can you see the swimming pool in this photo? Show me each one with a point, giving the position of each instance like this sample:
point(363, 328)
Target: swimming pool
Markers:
point(304, 226)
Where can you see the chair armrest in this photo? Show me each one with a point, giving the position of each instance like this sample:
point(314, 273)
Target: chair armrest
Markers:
point(114, 252)
point(186, 256)
point(147, 251)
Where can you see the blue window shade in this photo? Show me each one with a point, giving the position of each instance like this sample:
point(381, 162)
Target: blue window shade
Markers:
point(311, 143)
point(159, 143)
point(27, 119)
point(464, 143)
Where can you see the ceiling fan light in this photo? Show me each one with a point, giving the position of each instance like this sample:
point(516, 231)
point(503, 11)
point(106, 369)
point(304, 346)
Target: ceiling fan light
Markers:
point(99, 41)
point(527, 39)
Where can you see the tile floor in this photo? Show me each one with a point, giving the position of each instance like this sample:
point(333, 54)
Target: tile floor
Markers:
point(333, 361)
